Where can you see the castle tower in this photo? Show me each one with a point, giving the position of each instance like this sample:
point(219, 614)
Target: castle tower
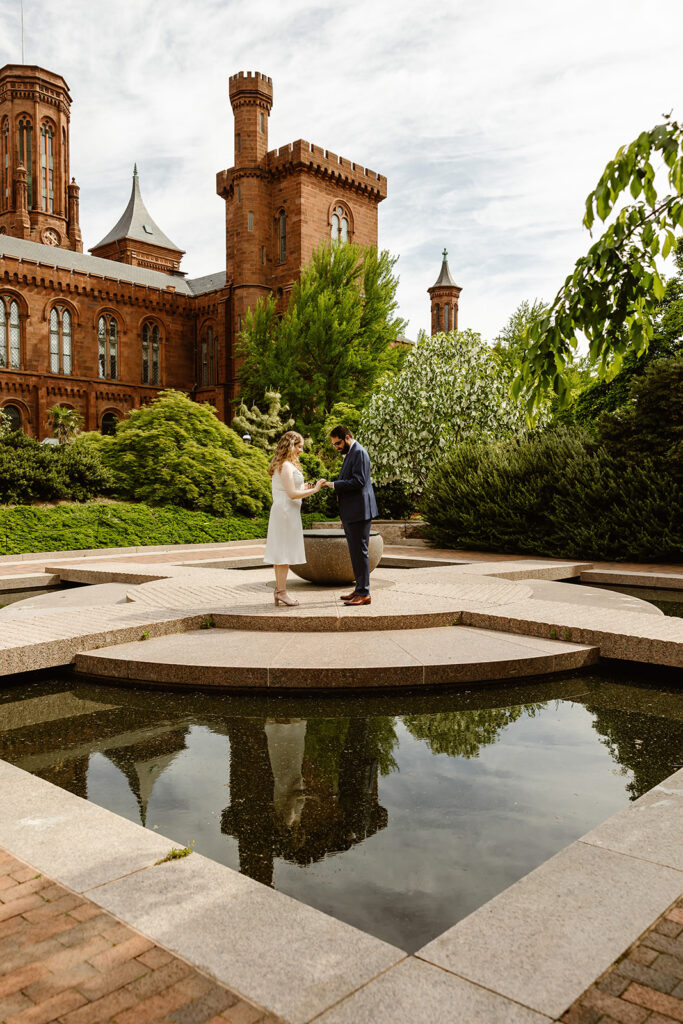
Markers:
point(444, 295)
point(246, 188)
point(35, 201)
point(136, 239)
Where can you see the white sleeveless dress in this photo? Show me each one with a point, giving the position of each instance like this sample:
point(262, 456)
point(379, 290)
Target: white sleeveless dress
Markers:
point(285, 541)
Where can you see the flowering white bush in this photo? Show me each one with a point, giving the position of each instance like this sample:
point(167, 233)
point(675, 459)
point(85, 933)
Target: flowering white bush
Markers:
point(451, 387)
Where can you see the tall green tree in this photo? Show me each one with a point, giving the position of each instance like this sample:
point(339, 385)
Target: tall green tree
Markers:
point(333, 342)
point(614, 292)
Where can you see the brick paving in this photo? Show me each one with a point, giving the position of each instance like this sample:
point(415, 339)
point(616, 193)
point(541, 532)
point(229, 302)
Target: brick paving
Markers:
point(63, 959)
point(645, 986)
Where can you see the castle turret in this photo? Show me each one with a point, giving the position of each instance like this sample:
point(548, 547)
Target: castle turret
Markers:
point(34, 136)
point(444, 295)
point(251, 98)
point(247, 189)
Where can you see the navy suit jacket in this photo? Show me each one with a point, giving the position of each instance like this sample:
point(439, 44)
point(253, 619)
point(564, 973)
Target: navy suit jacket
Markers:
point(354, 487)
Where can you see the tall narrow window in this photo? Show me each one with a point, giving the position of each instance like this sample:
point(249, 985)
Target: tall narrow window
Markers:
point(60, 340)
point(67, 360)
point(107, 347)
point(3, 335)
point(54, 340)
point(250, 221)
point(113, 349)
point(212, 355)
point(14, 336)
point(25, 158)
point(102, 347)
point(145, 353)
point(151, 354)
point(4, 165)
point(239, 143)
point(156, 356)
point(47, 167)
point(438, 317)
point(263, 255)
point(446, 315)
point(205, 363)
point(282, 220)
point(262, 123)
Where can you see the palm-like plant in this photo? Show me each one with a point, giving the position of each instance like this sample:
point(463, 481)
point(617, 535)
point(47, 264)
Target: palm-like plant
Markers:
point(64, 422)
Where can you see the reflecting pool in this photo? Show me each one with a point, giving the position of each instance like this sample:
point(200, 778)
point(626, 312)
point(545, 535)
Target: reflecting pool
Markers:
point(398, 813)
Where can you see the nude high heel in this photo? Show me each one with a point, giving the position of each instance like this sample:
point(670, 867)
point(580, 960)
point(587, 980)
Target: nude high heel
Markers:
point(282, 597)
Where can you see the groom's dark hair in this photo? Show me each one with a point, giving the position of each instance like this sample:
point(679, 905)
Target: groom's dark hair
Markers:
point(341, 432)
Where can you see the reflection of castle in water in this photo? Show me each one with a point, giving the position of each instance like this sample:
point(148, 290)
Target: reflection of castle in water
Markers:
point(287, 803)
point(301, 789)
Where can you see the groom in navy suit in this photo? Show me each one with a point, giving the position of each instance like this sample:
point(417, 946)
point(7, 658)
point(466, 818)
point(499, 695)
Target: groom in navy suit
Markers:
point(357, 509)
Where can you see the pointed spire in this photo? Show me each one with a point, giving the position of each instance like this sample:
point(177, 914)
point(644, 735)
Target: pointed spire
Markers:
point(445, 278)
point(136, 223)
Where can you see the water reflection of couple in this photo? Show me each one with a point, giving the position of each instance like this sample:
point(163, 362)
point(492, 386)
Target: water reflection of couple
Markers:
point(357, 509)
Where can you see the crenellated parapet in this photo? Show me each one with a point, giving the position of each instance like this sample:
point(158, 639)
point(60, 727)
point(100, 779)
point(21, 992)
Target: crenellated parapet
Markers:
point(303, 155)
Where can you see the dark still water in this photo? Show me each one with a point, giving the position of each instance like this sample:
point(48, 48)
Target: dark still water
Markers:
point(397, 813)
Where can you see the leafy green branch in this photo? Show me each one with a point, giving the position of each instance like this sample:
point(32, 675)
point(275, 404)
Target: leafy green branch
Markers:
point(614, 292)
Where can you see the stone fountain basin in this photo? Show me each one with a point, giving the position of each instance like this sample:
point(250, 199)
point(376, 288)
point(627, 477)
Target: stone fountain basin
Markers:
point(327, 557)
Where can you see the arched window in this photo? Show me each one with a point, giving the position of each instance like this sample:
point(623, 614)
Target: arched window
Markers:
point(282, 226)
point(60, 341)
point(25, 154)
point(446, 314)
point(47, 183)
point(5, 174)
point(10, 333)
point(340, 225)
point(109, 421)
point(437, 321)
point(13, 414)
point(151, 354)
point(107, 347)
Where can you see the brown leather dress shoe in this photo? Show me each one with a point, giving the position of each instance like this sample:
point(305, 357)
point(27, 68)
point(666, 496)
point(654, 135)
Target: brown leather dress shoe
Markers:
point(359, 599)
point(347, 597)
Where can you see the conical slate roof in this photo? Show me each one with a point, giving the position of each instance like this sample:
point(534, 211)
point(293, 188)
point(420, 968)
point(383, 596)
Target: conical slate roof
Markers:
point(445, 278)
point(137, 223)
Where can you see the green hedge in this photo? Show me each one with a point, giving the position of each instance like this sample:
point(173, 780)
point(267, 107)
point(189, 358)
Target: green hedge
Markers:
point(560, 494)
point(30, 471)
point(95, 525)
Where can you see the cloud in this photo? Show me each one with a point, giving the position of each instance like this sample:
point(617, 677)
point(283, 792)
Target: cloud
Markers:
point(491, 121)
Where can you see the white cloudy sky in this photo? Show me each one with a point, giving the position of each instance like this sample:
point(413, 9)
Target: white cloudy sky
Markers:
point(491, 119)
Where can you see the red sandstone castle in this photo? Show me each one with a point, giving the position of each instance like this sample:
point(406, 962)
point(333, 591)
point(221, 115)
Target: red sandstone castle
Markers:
point(104, 333)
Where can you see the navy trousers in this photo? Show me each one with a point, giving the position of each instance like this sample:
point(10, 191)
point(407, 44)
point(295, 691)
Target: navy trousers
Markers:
point(358, 538)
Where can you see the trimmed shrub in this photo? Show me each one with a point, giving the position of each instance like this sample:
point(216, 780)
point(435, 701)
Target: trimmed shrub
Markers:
point(559, 494)
point(394, 500)
point(104, 525)
point(177, 452)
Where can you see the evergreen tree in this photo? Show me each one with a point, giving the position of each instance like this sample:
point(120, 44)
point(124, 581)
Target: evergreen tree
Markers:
point(334, 341)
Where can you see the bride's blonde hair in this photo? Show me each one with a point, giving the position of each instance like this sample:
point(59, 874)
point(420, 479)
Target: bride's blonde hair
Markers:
point(285, 451)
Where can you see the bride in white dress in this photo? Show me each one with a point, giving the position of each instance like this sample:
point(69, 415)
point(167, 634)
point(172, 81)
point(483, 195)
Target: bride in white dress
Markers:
point(285, 541)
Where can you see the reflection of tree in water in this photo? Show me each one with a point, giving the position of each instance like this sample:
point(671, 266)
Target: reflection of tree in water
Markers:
point(640, 744)
point(303, 789)
point(463, 733)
